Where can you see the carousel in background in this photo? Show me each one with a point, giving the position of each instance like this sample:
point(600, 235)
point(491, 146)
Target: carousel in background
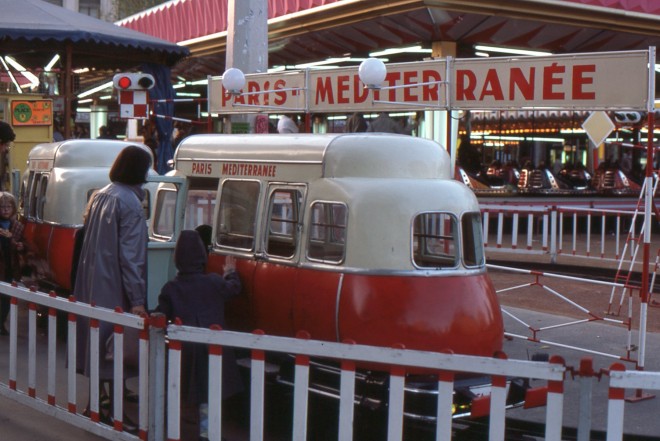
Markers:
point(548, 153)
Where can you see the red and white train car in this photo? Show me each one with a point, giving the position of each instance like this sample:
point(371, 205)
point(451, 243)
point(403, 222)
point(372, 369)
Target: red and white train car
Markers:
point(59, 179)
point(362, 237)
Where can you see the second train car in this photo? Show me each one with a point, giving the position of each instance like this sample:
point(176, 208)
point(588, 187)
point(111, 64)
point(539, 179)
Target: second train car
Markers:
point(362, 237)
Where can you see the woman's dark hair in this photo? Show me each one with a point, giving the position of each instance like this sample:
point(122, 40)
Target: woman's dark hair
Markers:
point(131, 166)
point(6, 133)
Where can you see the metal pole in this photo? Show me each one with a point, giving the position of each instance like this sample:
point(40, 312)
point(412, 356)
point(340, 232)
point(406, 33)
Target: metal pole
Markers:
point(247, 41)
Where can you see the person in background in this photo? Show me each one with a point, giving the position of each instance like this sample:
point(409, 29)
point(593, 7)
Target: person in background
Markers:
point(106, 133)
point(112, 268)
point(58, 133)
point(198, 299)
point(11, 248)
point(7, 136)
point(383, 123)
point(287, 124)
point(356, 123)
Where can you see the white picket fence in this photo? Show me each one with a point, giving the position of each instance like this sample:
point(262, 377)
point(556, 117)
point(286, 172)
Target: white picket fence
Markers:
point(557, 232)
point(160, 368)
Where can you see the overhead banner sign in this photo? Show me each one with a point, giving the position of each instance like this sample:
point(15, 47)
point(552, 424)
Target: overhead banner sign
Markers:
point(595, 81)
point(613, 80)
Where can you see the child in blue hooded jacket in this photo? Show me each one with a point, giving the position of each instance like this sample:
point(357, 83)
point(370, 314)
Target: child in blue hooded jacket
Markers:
point(198, 299)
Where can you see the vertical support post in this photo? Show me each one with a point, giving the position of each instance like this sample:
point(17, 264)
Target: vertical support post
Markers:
point(118, 377)
point(553, 234)
point(247, 41)
point(32, 350)
point(615, 407)
point(445, 404)
point(215, 390)
point(500, 227)
point(143, 381)
point(94, 379)
point(530, 230)
point(586, 381)
point(395, 408)
point(514, 230)
point(157, 352)
point(174, 391)
point(346, 398)
point(301, 393)
point(648, 216)
point(485, 232)
point(555, 407)
point(545, 225)
point(496, 429)
point(257, 385)
point(52, 353)
point(72, 345)
point(13, 342)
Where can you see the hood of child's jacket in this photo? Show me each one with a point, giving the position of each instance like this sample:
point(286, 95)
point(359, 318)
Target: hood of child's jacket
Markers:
point(190, 253)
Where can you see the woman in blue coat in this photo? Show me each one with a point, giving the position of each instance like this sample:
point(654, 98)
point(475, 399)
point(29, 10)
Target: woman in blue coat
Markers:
point(198, 299)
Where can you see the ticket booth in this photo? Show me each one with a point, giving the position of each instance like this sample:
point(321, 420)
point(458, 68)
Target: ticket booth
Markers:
point(31, 117)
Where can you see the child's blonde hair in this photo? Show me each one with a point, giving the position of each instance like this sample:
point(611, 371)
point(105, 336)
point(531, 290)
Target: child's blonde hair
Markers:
point(5, 196)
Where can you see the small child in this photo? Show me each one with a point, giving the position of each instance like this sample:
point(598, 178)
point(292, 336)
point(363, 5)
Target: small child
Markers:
point(11, 247)
point(198, 299)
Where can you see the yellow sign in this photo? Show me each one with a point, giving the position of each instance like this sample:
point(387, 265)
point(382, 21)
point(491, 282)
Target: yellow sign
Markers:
point(32, 113)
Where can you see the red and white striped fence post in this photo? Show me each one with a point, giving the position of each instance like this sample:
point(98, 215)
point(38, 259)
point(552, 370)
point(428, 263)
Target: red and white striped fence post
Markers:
point(52, 352)
point(72, 345)
point(157, 376)
point(174, 391)
point(555, 406)
point(13, 342)
point(615, 407)
point(215, 389)
point(143, 385)
point(347, 397)
point(32, 350)
point(301, 392)
point(257, 388)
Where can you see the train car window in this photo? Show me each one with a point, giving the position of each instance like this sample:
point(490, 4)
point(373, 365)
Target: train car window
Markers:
point(284, 212)
point(327, 233)
point(200, 204)
point(473, 249)
point(435, 240)
point(237, 214)
point(164, 215)
point(26, 186)
point(41, 197)
point(34, 193)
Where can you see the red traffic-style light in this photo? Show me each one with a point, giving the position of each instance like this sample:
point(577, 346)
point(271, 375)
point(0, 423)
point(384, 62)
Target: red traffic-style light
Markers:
point(124, 82)
point(133, 81)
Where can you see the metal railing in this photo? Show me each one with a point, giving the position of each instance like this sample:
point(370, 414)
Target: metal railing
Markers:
point(159, 384)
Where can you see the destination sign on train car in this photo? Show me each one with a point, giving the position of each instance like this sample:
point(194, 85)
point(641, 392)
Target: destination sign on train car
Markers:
point(595, 81)
point(257, 170)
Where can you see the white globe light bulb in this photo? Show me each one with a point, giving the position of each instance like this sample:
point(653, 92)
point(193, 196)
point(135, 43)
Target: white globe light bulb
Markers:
point(372, 72)
point(233, 80)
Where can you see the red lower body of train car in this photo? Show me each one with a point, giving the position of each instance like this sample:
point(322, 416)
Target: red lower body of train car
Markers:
point(50, 254)
point(457, 313)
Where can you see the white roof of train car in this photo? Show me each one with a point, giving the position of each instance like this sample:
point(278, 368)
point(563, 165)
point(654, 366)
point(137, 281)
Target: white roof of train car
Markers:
point(74, 167)
point(80, 152)
point(337, 155)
